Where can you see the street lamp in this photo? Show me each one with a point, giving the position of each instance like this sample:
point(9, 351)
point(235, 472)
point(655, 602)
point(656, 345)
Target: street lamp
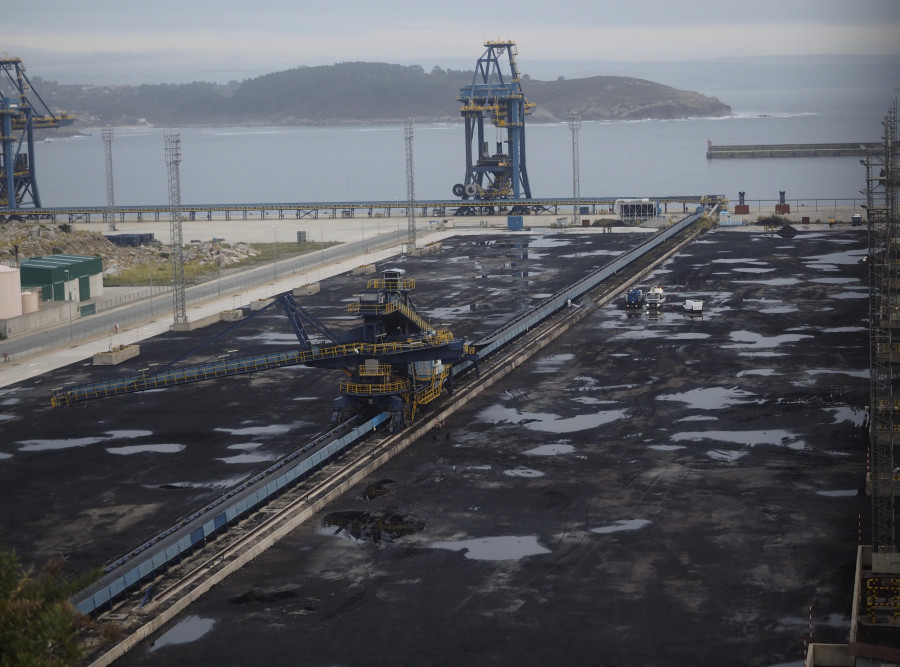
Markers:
point(275, 263)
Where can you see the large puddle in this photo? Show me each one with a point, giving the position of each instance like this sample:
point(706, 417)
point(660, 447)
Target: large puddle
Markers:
point(496, 548)
point(779, 437)
point(755, 340)
point(67, 443)
point(140, 449)
point(710, 398)
point(188, 630)
point(621, 525)
point(553, 449)
point(548, 422)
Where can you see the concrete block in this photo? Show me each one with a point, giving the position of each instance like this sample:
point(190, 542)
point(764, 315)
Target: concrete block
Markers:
point(231, 315)
point(886, 563)
point(307, 290)
point(259, 304)
point(116, 355)
point(197, 324)
point(364, 270)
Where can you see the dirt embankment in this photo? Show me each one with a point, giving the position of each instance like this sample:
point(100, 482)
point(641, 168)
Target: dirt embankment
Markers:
point(24, 240)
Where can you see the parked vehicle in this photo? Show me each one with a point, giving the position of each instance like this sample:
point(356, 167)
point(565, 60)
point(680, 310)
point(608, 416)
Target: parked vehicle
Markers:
point(655, 297)
point(634, 298)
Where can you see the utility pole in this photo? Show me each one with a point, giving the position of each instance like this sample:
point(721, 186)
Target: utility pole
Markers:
point(110, 193)
point(575, 125)
point(410, 184)
point(173, 162)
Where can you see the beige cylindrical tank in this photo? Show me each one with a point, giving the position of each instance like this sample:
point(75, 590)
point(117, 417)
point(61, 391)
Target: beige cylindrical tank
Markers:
point(10, 289)
point(30, 302)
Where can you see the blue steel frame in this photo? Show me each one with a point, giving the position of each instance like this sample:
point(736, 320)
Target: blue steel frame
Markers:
point(491, 92)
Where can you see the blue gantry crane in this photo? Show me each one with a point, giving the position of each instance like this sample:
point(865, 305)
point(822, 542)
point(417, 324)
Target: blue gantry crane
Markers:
point(394, 361)
point(22, 111)
point(494, 174)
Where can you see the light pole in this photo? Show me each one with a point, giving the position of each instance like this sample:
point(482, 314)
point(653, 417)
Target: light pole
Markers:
point(275, 263)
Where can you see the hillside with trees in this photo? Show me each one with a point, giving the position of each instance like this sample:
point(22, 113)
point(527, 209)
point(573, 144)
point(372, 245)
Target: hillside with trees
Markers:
point(362, 93)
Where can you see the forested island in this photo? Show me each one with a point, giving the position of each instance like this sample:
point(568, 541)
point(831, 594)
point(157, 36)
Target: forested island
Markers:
point(362, 93)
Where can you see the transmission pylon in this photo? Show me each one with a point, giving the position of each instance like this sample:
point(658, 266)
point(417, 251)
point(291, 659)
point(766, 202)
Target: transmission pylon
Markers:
point(410, 184)
point(499, 173)
point(110, 191)
point(21, 112)
point(575, 126)
point(173, 163)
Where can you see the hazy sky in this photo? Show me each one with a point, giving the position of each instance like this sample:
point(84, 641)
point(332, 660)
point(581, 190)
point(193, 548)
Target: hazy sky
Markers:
point(103, 41)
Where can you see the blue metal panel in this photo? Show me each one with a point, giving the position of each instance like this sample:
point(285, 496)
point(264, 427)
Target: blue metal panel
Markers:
point(197, 536)
point(145, 568)
point(131, 577)
point(208, 528)
point(116, 586)
point(158, 559)
point(220, 520)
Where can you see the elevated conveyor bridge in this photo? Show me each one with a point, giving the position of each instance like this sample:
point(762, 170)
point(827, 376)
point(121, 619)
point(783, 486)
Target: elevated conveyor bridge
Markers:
point(335, 209)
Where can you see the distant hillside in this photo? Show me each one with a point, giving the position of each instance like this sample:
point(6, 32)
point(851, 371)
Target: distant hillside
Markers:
point(359, 92)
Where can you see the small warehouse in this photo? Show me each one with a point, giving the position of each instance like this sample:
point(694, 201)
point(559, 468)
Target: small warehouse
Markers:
point(64, 277)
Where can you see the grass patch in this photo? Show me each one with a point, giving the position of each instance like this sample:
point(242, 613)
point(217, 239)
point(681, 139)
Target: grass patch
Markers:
point(159, 272)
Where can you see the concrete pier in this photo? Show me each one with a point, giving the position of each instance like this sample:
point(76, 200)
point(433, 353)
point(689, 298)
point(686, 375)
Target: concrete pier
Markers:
point(790, 150)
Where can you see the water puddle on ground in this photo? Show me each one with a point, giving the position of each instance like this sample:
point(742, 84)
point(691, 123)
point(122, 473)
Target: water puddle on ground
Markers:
point(496, 548)
point(779, 437)
point(842, 493)
point(271, 429)
point(666, 448)
point(523, 472)
point(620, 525)
point(6, 417)
point(764, 372)
point(750, 269)
point(548, 422)
point(830, 261)
point(849, 295)
point(863, 374)
point(774, 282)
point(725, 455)
point(834, 281)
point(844, 413)
point(709, 398)
point(552, 363)
point(140, 449)
point(67, 443)
point(553, 449)
point(698, 418)
point(188, 630)
point(4, 455)
point(752, 339)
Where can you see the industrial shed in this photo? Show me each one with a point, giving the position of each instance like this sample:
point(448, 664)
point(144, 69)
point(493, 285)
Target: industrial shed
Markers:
point(64, 277)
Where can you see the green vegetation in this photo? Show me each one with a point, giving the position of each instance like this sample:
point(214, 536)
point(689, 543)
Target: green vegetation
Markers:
point(773, 220)
point(361, 92)
point(38, 625)
point(199, 270)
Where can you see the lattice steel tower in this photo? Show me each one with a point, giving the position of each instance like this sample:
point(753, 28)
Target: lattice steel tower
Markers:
point(575, 125)
point(173, 163)
point(410, 183)
point(882, 178)
point(110, 191)
point(497, 173)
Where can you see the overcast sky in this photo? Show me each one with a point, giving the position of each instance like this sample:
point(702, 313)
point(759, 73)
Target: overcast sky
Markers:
point(107, 41)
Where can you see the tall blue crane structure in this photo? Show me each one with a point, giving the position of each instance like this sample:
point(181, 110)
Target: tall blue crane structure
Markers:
point(21, 112)
point(494, 175)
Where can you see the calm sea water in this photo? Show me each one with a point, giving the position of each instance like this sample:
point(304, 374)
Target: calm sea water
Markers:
point(617, 159)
